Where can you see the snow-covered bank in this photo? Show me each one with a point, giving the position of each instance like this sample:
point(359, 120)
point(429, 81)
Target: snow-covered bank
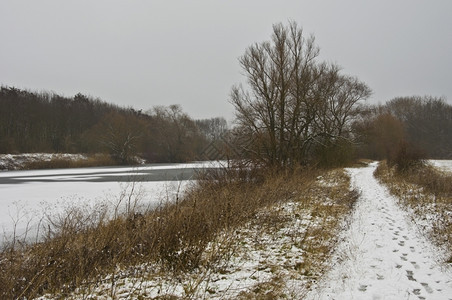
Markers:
point(382, 256)
point(17, 161)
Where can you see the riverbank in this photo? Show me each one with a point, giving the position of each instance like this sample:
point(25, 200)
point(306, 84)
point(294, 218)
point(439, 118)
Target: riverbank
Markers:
point(32, 161)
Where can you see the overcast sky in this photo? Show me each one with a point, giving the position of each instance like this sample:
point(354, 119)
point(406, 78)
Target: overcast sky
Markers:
point(145, 53)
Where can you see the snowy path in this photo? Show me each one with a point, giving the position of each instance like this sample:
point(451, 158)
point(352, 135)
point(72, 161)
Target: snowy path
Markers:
point(381, 255)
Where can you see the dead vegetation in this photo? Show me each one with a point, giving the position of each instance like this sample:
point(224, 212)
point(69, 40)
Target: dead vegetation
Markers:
point(58, 162)
point(53, 161)
point(428, 192)
point(183, 246)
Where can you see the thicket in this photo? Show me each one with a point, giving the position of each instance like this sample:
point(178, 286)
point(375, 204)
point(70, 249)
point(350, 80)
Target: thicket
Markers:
point(48, 122)
point(405, 131)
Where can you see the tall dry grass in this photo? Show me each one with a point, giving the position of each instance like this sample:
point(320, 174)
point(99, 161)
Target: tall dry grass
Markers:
point(95, 160)
point(80, 249)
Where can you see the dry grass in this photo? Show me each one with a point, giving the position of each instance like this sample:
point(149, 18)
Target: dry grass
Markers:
point(428, 192)
point(199, 234)
point(57, 162)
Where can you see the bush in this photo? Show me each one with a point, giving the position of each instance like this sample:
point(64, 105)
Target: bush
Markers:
point(406, 156)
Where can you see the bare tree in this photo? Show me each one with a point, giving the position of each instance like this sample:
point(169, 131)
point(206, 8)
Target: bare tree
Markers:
point(292, 102)
point(213, 128)
point(121, 135)
point(177, 134)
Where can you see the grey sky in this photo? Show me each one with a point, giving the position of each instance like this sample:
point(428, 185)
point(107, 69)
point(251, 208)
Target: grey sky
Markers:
point(146, 53)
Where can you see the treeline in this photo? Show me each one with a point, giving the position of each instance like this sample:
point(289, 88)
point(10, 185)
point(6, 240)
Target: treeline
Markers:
point(48, 122)
point(410, 126)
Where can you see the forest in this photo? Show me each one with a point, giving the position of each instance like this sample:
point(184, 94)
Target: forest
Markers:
point(51, 123)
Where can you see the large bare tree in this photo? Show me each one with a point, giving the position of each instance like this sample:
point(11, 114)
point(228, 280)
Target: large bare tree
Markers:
point(292, 103)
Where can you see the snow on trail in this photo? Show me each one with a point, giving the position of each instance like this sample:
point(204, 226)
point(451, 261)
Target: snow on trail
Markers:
point(381, 255)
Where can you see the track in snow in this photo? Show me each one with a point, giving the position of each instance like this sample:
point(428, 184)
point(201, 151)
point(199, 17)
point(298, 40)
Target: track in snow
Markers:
point(381, 255)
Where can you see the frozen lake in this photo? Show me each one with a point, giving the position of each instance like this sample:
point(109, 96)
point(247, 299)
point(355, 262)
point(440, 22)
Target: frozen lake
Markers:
point(29, 198)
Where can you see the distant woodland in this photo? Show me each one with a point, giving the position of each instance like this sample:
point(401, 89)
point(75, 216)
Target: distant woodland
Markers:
point(48, 122)
point(418, 124)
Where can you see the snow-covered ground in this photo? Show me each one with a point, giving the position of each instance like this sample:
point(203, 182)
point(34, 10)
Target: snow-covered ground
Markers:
point(51, 192)
point(382, 255)
point(17, 161)
point(444, 165)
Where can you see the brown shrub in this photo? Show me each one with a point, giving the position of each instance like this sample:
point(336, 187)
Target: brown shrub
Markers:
point(406, 156)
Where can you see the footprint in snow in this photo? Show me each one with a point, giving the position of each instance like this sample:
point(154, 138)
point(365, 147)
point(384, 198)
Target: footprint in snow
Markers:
point(415, 265)
point(417, 292)
point(426, 287)
point(409, 275)
point(401, 243)
point(403, 258)
point(412, 249)
point(362, 288)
